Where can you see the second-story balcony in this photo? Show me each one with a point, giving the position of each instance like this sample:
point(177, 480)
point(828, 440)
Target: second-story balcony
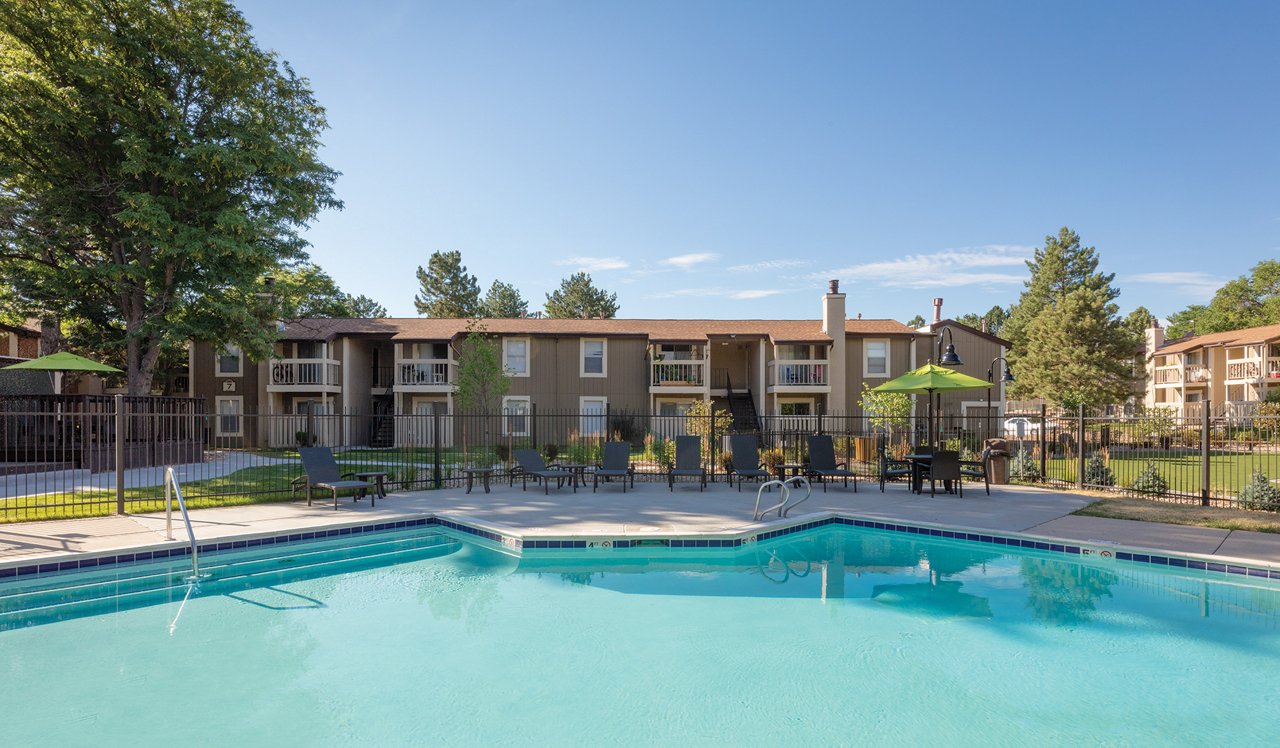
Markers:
point(1194, 375)
point(1244, 370)
point(425, 374)
point(304, 375)
point(678, 376)
point(799, 376)
point(1167, 375)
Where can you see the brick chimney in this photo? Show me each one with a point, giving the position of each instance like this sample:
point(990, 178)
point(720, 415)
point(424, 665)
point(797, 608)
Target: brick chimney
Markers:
point(833, 311)
point(937, 310)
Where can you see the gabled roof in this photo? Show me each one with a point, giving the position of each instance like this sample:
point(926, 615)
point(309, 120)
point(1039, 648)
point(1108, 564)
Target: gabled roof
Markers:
point(655, 330)
point(1247, 336)
point(967, 328)
point(29, 327)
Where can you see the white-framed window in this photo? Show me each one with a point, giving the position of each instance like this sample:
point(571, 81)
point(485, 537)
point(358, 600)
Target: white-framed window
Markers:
point(515, 356)
point(228, 421)
point(229, 362)
point(592, 355)
point(431, 351)
point(674, 408)
point(515, 415)
point(311, 406)
point(795, 407)
point(593, 410)
point(875, 358)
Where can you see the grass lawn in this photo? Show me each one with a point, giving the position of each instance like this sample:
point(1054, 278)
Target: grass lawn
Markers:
point(1228, 471)
point(1145, 510)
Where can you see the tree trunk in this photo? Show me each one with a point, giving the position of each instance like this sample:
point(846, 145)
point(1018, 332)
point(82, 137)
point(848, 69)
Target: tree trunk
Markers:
point(50, 335)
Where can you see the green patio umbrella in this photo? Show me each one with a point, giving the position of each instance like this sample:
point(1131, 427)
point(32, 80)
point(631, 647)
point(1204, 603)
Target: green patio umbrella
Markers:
point(57, 363)
point(929, 379)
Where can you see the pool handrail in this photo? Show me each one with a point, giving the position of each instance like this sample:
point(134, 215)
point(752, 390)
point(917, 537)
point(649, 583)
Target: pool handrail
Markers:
point(172, 488)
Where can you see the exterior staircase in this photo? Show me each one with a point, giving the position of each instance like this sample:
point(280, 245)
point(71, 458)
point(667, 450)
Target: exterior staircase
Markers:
point(743, 409)
point(382, 432)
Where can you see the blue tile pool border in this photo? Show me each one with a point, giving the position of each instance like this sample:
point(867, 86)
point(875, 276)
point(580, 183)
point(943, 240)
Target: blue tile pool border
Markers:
point(746, 538)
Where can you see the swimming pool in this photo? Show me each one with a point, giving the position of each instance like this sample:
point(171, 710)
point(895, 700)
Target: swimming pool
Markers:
point(832, 636)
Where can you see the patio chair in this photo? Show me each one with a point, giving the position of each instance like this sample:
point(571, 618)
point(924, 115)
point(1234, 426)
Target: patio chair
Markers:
point(532, 466)
point(616, 464)
point(822, 462)
point(891, 469)
point(688, 462)
point(745, 449)
point(322, 472)
point(945, 466)
point(978, 468)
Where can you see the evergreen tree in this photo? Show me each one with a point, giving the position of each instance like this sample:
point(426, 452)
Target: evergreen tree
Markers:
point(917, 322)
point(447, 289)
point(1136, 324)
point(1251, 300)
point(364, 307)
point(578, 298)
point(995, 319)
point(503, 300)
point(1077, 352)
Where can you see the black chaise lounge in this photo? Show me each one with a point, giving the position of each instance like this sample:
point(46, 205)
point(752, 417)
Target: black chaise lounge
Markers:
point(822, 462)
point(616, 463)
point(532, 466)
point(745, 449)
point(322, 472)
point(688, 462)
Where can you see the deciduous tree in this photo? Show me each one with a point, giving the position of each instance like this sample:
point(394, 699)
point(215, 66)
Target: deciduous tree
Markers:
point(155, 164)
point(578, 298)
point(447, 289)
point(1251, 300)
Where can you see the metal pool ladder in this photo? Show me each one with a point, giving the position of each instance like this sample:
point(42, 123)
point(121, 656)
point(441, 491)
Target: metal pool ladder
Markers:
point(171, 489)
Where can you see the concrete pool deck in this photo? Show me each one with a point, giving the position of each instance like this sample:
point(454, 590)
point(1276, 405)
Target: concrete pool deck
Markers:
point(648, 510)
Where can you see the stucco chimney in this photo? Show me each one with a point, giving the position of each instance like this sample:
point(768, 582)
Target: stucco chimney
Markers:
point(833, 316)
point(937, 310)
point(984, 325)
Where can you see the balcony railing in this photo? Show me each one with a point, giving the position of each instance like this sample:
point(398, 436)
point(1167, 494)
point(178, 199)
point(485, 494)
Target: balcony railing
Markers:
point(1196, 374)
point(678, 373)
point(1273, 368)
point(1244, 370)
point(417, 372)
point(1168, 375)
point(798, 373)
point(304, 372)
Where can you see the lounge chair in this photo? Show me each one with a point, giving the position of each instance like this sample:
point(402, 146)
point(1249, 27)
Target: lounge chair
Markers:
point(745, 449)
point(890, 468)
point(978, 469)
point(532, 465)
point(688, 462)
point(616, 464)
point(822, 462)
point(322, 472)
point(945, 466)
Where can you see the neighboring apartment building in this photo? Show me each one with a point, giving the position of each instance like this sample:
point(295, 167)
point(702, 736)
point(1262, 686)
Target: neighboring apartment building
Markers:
point(22, 343)
point(1231, 371)
point(754, 368)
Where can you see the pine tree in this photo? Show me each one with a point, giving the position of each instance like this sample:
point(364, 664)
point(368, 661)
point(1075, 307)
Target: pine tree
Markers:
point(447, 289)
point(1077, 352)
point(503, 300)
point(578, 298)
point(917, 322)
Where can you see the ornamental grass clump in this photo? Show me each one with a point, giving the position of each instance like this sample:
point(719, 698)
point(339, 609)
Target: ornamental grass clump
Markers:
point(1150, 481)
point(1259, 493)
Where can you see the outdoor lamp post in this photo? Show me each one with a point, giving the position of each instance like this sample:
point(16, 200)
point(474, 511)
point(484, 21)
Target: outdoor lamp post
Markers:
point(949, 358)
point(991, 377)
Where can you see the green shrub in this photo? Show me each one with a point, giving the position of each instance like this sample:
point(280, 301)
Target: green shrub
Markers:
point(726, 462)
point(1096, 472)
point(550, 452)
point(408, 476)
point(1023, 467)
point(1150, 481)
point(1259, 493)
point(771, 458)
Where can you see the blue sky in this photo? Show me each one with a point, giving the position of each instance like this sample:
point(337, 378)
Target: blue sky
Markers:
point(722, 159)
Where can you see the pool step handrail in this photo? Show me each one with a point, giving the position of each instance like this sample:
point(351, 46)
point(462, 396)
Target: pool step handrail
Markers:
point(171, 489)
point(758, 514)
point(799, 480)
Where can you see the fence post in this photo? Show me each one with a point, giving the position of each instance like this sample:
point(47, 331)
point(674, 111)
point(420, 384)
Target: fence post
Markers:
point(712, 430)
point(1205, 437)
point(437, 471)
point(533, 424)
point(1080, 447)
point(120, 420)
point(1044, 446)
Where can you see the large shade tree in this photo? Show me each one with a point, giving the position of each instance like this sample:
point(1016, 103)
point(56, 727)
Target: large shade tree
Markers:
point(155, 164)
point(1251, 300)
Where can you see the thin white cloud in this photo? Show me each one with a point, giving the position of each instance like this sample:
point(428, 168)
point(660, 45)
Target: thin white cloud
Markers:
point(992, 264)
point(687, 261)
point(1199, 286)
point(738, 294)
point(595, 264)
point(754, 293)
point(768, 265)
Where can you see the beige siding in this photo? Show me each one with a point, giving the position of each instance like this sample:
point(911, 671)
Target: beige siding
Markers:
point(555, 382)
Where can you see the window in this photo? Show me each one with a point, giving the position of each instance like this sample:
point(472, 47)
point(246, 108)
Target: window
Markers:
point(228, 421)
point(593, 411)
point(311, 407)
point(310, 349)
point(593, 363)
point(515, 416)
point(515, 356)
point(676, 352)
point(230, 362)
point(673, 408)
point(433, 351)
point(875, 358)
point(795, 408)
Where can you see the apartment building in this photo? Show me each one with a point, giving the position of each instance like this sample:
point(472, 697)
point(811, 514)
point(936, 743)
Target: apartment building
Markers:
point(756, 369)
point(21, 343)
point(1229, 371)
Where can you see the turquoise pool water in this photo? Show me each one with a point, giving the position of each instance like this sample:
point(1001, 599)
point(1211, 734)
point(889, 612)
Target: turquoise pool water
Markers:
point(838, 636)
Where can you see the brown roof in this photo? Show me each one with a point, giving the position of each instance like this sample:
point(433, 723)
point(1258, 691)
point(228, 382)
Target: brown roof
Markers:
point(657, 330)
point(1228, 338)
point(971, 330)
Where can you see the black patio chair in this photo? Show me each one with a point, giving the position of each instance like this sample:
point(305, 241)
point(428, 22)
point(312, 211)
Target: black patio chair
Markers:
point(822, 462)
point(891, 469)
point(322, 472)
point(688, 462)
point(745, 449)
point(532, 466)
point(978, 469)
point(945, 466)
point(616, 463)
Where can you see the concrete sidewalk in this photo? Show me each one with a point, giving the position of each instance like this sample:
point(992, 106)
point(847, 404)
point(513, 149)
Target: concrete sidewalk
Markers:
point(647, 510)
